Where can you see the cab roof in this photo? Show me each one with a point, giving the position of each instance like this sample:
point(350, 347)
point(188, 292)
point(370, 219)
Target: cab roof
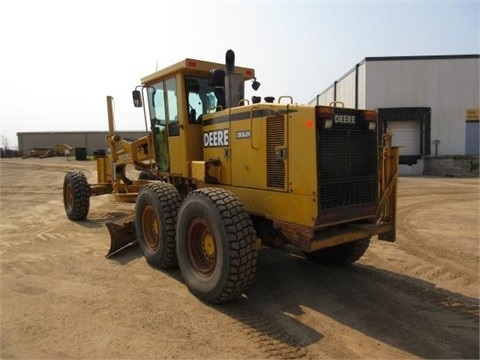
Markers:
point(194, 67)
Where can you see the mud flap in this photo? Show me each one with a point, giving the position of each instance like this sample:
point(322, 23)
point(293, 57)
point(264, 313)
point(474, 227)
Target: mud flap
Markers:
point(122, 234)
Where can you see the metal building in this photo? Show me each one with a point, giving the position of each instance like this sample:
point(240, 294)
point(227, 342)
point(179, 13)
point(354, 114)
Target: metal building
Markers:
point(89, 140)
point(430, 103)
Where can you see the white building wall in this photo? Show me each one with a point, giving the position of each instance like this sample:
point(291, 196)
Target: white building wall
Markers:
point(447, 86)
point(361, 86)
point(346, 90)
point(325, 98)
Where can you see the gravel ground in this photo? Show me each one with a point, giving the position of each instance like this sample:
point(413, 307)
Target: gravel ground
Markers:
point(61, 299)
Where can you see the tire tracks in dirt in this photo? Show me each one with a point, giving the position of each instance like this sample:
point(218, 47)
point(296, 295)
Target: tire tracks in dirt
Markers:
point(428, 251)
point(271, 338)
point(392, 308)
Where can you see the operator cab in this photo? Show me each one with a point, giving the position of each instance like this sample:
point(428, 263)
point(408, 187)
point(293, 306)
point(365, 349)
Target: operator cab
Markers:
point(178, 97)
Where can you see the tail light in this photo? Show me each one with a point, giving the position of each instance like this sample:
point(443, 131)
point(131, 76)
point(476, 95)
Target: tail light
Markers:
point(371, 116)
point(325, 115)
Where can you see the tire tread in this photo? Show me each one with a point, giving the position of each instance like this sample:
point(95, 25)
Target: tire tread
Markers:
point(241, 242)
point(81, 190)
point(170, 200)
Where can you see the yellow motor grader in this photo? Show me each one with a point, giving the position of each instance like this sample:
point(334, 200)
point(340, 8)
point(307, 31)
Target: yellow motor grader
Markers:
point(220, 175)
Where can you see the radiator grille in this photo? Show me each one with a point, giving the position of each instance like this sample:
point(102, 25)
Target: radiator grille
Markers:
point(275, 165)
point(347, 166)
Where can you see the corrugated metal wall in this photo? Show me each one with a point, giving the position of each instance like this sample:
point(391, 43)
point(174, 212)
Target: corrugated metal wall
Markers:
point(349, 89)
point(91, 140)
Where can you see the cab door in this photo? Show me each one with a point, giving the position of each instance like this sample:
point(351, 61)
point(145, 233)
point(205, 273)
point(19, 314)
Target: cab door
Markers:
point(174, 144)
point(165, 125)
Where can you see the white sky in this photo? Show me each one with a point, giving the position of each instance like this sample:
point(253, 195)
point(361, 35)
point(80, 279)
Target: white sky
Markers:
point(60, 59)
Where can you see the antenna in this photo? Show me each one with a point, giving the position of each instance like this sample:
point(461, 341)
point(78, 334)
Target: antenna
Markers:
point(156, 66)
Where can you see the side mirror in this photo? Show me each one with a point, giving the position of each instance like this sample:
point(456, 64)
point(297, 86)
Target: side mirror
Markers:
point(137, 98)
point(255, 84)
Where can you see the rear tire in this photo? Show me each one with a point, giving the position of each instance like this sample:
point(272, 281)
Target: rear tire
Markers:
point(155, 217)
point(216, 245)
point(341, 255)
point(76, 195)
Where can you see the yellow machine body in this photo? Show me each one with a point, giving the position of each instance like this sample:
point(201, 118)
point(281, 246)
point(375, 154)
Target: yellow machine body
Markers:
point(312, 176)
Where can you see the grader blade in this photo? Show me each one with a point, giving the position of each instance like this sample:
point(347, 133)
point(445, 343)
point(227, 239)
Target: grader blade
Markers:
point(122, 234)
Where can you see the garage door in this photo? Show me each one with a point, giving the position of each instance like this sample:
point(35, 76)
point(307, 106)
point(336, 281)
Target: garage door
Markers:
point(406, 135)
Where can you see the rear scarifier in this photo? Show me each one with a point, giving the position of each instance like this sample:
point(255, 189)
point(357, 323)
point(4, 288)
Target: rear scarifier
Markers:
point(216, 245)
point(76, 195)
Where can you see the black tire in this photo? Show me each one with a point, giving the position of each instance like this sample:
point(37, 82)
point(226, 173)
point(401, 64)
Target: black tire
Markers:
point(155, 217)
point(215, 245)
point(341, 255)
point(76, 195)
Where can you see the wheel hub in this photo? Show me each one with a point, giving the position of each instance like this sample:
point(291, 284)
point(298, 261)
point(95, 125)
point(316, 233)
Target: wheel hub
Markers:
point(150, 228)
point(202, 248)
point(69, 196)
point(208, 245)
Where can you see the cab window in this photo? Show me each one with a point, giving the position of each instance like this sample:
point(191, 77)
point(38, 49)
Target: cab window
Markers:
point(200, 98)
point(172, 107)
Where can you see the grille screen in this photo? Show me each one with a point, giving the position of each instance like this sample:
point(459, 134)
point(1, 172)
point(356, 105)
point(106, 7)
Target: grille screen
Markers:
point(347, 166)
point(275, 165)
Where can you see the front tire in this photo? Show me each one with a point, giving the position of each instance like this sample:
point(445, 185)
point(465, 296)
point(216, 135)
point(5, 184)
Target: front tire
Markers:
point(155, 216)
point(216, 245)
point(76, 195)
point(340, 255)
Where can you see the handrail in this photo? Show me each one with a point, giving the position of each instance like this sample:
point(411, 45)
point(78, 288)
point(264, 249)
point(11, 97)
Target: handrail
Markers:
point(286, 97)
point(251, 127)
point(337, 102)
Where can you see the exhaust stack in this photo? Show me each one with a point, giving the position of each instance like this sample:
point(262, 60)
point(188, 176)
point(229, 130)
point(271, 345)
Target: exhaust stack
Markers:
point(234, 84)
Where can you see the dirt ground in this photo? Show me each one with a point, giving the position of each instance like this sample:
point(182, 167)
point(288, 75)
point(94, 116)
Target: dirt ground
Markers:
point(61, 299)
